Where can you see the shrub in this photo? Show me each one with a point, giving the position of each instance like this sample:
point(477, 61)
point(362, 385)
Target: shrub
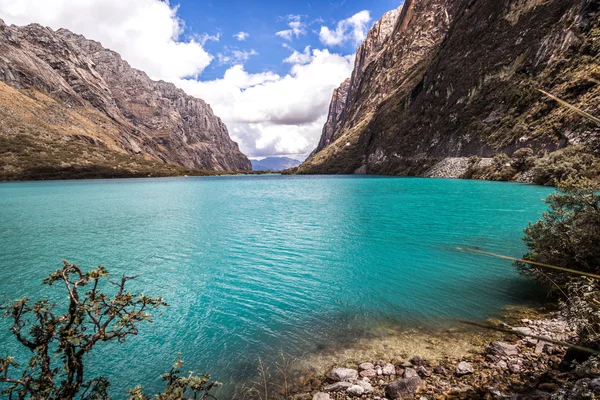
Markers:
point(568, 235)
point(60, 336)
point(572, 163)
point(523, 159)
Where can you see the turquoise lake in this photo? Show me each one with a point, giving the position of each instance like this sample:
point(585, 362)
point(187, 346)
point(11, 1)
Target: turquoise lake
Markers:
point(255, 265)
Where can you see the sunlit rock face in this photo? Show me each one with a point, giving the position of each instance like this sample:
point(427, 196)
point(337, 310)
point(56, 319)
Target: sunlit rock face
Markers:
point(458, 78)
point(122, 108)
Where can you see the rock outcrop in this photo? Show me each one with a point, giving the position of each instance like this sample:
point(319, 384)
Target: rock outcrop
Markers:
point(92, 95)
point(460, 78)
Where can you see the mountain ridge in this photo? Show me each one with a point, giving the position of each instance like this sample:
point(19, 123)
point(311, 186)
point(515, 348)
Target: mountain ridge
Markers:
point(457, 79)
point(126, 111)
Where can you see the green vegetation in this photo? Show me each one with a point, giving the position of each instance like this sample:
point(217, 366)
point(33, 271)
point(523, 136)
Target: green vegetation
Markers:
point(59, 336)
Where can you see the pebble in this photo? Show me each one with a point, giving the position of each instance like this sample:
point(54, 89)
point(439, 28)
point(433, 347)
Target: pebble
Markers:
point(388, 369)
point(365, 366)
point(355, 390)
point(464, 368)
point(321, 396)
point(410, 373)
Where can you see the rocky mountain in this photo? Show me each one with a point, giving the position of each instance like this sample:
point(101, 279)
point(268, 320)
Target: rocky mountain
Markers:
point(454, 79)
point(274, 164)
point(64, 95)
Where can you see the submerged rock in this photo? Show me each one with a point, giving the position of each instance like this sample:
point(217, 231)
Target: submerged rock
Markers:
point(338, 386)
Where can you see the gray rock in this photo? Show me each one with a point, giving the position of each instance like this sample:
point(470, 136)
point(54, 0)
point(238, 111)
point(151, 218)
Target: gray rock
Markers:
point(595, 385)
point(422, 371)
point(388, 369)
point(342, 374)
point(321, 396)
point(416, 360)
point(502, 349)
point(410, 373)
point(464, 368)
point(368, 373)
point(523, 330)
point(502, 365)
point(366, 385)
point(338, 386)
point(366, 365)
point(355, 390)
point(402, 388)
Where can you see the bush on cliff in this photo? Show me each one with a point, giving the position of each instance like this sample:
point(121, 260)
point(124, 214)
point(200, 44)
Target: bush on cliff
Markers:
point(60, 336)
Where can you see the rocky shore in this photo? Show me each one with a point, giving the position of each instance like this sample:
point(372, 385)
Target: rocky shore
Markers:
point(510, 366)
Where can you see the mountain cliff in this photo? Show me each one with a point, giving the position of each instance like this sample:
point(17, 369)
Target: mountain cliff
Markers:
point(79, 105)
point(461, 78)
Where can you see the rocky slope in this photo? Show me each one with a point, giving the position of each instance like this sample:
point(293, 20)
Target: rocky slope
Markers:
point(66, 95)
point(460, 78)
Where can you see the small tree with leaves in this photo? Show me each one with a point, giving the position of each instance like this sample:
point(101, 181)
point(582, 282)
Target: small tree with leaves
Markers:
point(60, 337)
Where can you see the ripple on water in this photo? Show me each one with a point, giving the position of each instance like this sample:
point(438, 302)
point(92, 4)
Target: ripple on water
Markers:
point(253, 266)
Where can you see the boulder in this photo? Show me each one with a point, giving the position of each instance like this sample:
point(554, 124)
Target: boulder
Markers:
point(342, 374)
point(321, 396)
point(502, 349)
point(355, 390)
point(402, 388)
point(464, 368)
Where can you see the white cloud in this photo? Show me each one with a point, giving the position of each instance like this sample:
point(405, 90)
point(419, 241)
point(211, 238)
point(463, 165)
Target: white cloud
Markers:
point(241, 36)
point(353, 29)
point(271, 114)
point(296, 28)
point(267, 113)
point(147, 33)
point(235, 56)
point(299, 58)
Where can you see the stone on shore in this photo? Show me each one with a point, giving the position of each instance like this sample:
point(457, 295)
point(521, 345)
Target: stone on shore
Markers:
point(402, 388)
point(388, 369)
point(502, 349)
point(464, 368)
point(338, 386)
point(368, 373)
point(321, 396)
point(355, 390)
point(410, 373)
point(365, 366)
point(342, 374)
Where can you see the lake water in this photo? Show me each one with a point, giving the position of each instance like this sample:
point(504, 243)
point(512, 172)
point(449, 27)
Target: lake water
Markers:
point(252, 266)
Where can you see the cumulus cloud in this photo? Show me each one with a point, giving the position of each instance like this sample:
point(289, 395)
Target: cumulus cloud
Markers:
point(241, 36)
point(353, 29)
point(296, 28)
point(235, 56)
point(271, 114)
point(299, 58)
point(147, 33)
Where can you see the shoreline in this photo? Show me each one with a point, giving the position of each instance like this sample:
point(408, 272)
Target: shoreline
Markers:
point(460, 362)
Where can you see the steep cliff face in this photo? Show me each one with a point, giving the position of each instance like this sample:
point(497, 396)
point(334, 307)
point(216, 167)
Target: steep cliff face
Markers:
point(460, 78)
point(117, 107)
point(348, 91)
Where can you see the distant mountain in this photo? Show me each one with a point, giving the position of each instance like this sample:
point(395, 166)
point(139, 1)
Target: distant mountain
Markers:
point(274, 164)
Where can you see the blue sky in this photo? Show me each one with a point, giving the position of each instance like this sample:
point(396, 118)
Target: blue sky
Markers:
point(262, 19)
point(267, 68)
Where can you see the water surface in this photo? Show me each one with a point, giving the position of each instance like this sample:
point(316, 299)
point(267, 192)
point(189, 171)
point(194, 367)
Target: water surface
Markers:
point(255, 265)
